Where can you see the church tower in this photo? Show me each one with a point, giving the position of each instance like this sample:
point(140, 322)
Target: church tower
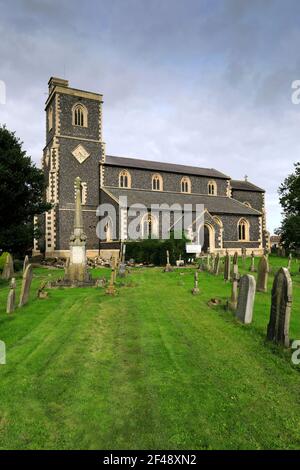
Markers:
point(73, 149)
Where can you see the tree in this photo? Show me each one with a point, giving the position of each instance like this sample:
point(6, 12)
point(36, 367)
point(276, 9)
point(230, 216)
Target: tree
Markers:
point(289, 193)
point(22, 189)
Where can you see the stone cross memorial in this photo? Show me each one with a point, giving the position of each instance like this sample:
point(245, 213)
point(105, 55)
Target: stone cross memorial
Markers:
point(244, 311)
point(262, 274)
point(235, 264)
point(281, 304)
point(26, 283)
point(252, 267)
point(195, 289)
point(168, 267)
point(8, 270)
point(234, 292)
point(11, 299)
point(217, 264)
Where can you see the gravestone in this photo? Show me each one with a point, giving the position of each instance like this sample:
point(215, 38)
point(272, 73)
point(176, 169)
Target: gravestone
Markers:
point(217, 264)
point(168, 267)
point(252, 267)
point(244, 255)
point(195, 289)
point(281, 304)
point(26, 283)
point(262, 274)
point(227, 267)
point(246, 296)
point(111, 286)
point(122, 265)
point(11, 298)
point(25, 263)
point(8, 270)
point(208, 264)
point(235, 264)
point(234, 292)
point(201, 267)
point(290, 262)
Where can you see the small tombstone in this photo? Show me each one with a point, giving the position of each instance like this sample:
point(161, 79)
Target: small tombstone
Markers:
point(234, 292)
point(122, 269)
point(25, 263)
point(8, 270)
point(235, 264)
point(41, 293)
point(111, 286)
point(217, 264)
point(262, 274)
point(227, 267)
point(252, 266)
point(290, 262)
point(26, 283)
point(244, 254)
point(11, 298)
point(246, 296)
point(281, 303)
point(195, 289)
point(168, 267)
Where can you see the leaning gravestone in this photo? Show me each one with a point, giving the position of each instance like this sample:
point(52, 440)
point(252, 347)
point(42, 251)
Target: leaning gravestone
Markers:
point(262, 274)
point(252, 267)
point(8, 270)
point(244, 311)
point(26, 283)
point(217, 264)
point(227, 267)
point(26, 263)
point(281, 304)
point(11, 298)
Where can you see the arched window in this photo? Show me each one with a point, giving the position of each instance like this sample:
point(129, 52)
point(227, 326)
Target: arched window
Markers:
point(79, 115)
point(218, 221)
point(157, 182)
point(212, 188)
point(247, 204)
point(50, 118)
point(149, 226)
point(243, 230)
point(186, 185)
point(124, 179)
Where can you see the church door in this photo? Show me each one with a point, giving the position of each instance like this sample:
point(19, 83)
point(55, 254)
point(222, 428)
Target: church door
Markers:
point(206, 239)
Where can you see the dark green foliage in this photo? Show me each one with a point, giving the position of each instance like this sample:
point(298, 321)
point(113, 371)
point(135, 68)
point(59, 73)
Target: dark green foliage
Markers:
point(154, 251)
point(21, 194)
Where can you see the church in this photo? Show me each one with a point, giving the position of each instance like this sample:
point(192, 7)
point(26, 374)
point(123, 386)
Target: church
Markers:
point(234, 216)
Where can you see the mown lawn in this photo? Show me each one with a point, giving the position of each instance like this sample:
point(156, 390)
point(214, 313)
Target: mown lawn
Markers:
point(153, 367)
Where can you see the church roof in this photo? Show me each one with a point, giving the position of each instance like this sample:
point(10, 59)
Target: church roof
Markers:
point(243, 185)
point(214, 204)
point(161, 166)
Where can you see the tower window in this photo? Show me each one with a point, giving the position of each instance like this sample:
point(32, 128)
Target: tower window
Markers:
point(243, 230)
point(186, 185)
point(212, 188)
point(157, 182)
point(124, 179)
point(50, 118)
point(80, 115)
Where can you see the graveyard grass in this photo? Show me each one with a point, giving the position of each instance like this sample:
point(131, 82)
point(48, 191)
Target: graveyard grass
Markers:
point(152, 367)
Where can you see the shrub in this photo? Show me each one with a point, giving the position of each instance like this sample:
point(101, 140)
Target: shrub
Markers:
point(3, 260)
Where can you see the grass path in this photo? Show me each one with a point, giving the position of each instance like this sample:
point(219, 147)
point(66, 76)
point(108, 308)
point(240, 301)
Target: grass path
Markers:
point(153, 367)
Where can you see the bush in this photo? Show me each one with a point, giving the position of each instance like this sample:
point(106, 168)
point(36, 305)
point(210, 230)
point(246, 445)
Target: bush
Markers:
point(154, 251)
point(3, 260)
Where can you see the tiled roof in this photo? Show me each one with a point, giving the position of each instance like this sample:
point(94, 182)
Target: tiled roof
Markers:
point(214, 204)
point(160, 166)
point(243, 185)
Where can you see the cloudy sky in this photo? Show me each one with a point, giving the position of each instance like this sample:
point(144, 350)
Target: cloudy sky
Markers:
point(199, 82)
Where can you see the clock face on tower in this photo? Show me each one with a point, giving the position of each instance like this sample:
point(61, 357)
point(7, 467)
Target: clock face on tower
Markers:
point(80, 153)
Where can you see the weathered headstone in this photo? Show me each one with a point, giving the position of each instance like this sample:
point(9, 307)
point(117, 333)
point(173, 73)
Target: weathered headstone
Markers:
point(26, 283)
point(244, 255)
point(111, 286)
point(25, 263)
point(227, 270)
point(262, 274)
point(252, 267)
point(11, 298)
point(8, 269)
point(235, 268)
point(281, 303)
point(195, 289)
point(244, 311)
point(290, 262)
point(217, 264)
point(234, 292)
